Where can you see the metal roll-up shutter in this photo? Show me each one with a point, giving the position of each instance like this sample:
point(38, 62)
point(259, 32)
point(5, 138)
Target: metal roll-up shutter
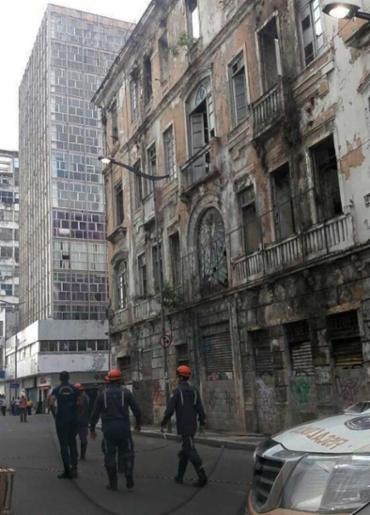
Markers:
point(262, 352)
point(298, 337)
point(216, 349)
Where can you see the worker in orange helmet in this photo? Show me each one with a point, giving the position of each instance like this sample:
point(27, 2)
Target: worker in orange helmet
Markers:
point(83, 403)
point(112, 405)
point(187, 404)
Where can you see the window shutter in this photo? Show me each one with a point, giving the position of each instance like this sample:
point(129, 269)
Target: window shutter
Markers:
point(197, 132)
point(240, 88)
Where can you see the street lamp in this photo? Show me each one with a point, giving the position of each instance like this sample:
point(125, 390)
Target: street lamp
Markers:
point(344, 10)
point(105, 160)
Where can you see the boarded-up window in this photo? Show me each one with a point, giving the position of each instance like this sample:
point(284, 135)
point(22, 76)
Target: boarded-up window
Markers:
point(262, 352)
point(216, 349)
point(344, 333)
point(298, 338)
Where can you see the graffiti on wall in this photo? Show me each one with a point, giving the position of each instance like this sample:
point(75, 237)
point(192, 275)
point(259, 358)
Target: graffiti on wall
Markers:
point(265, 405)
point(349, 383)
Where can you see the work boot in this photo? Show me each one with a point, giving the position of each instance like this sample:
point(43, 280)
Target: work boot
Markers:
point(83, 451)
point(179, 480)
point(129, 482)
point(65, 475)
point(202, 478)
point(112, 476)
point(73, 472)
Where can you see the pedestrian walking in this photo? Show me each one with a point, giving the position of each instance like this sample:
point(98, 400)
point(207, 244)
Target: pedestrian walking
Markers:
point(3, 405)
point(82, 418)
point(23, 408)
point(63, 405)
point(187, 404)
point(112, 405)
point(16, 406)
point(29, 407)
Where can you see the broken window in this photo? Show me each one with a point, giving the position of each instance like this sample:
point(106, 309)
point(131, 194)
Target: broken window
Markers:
point(238, 87)
point(193, 18)
point(152, 170)
point(148, 82)
point(175, 254)
point(164, 55)
point(122, 285)
point(157, 266)
point(282, 203)
point(138, 185)
point(114, 123)
point(143, 285)
point(251, 232)
point(118, 194)
point(311, 29)
point(329, 204)
point(269, 54)
point(169, 152)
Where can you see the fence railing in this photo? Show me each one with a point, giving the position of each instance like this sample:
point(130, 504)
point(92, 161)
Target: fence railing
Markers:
point(197, 168)
point(267, 109)
point(321, 239)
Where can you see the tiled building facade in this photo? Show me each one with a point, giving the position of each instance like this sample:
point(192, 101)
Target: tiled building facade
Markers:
point(63, 248)
point(259, 114)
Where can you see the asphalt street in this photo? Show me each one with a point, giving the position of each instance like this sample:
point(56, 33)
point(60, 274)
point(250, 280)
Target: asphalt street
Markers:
point(32, 450)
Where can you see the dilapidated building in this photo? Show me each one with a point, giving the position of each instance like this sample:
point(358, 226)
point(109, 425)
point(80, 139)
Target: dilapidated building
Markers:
point(258, 112)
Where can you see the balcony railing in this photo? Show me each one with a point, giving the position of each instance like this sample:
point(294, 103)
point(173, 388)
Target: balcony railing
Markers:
point(122, 317)
point(321, 239)
point(197, 169)
point(268, 109)
point(147, 308)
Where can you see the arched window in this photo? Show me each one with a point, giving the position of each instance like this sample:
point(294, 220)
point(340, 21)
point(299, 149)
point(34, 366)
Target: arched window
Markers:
point(121, 285)
point(212, 251)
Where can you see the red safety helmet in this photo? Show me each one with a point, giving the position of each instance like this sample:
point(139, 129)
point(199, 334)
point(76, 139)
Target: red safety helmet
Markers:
point(183, 371)
point(79, 387)
point(114, 375)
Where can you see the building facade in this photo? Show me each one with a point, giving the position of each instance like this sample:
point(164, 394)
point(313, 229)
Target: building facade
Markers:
point(259, 114)
point(36, 355)
point(62, 257)
point(9, 247)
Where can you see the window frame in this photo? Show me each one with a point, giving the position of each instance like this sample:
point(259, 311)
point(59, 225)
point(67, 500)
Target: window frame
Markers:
point(171, 171)
point(240, 57)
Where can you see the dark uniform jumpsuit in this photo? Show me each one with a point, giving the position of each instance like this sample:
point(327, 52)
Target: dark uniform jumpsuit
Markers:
point(187, 404)
point(112, 405)
point(83, 421)
point(66, 424)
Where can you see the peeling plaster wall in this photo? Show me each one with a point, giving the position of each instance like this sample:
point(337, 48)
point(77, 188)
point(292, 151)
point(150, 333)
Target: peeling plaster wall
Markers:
point(330, 96)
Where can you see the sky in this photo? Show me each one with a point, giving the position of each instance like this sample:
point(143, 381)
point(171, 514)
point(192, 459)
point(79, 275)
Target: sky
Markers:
point(19, 23)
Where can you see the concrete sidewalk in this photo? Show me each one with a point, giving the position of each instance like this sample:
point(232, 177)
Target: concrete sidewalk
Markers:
point(230, 441)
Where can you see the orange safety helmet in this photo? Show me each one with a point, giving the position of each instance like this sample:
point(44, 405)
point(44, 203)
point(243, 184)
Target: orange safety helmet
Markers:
point(183, 371)
point(114, 375)
point(79, 387)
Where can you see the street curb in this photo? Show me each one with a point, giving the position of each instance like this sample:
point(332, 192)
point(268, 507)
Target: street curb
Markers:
point(242, 446)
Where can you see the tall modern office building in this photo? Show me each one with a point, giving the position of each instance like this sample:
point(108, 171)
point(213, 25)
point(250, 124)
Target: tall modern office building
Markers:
point(62, 224)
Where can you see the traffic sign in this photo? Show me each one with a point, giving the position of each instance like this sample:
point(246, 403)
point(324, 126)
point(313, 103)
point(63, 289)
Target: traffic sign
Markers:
point(166, 341)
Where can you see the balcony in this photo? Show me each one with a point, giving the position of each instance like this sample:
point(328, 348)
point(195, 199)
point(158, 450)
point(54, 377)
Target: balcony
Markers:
point(268, 109)
point(147, 308)
point(320, 240)
point(121, 318)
